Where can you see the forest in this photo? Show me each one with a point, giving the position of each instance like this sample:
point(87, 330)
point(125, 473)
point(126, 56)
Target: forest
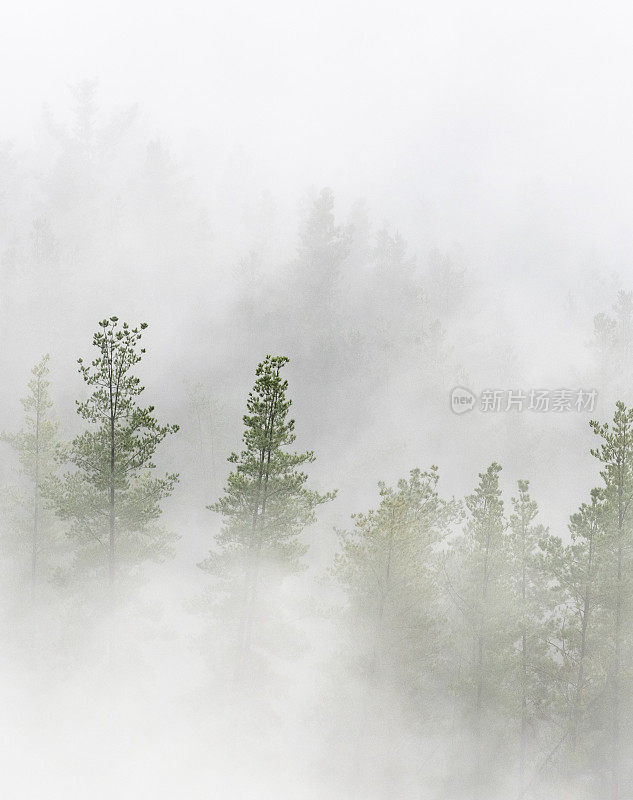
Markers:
point(466, 620)
point(316, 429)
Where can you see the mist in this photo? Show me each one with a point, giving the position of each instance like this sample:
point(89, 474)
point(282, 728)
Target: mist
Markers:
point(383, 255)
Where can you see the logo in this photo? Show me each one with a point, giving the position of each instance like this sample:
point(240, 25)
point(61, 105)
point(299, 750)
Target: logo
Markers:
point(462, 400)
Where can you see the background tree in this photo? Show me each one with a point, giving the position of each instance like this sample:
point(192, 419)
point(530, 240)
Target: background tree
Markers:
point(111, 497)
point(36, 445)
point(204, 437)
point(323, 247)
point(266, 503)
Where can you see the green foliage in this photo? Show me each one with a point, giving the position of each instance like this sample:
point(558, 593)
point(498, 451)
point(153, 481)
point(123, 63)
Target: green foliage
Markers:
point(33, 536)
point(111, 497)
point(615, 453)
point(592, 580)
point(388, 566)
point(531, 683)
point(578, 630)
point(266, 503)
point(36, 443)
point(481, 555)
point(483, 631)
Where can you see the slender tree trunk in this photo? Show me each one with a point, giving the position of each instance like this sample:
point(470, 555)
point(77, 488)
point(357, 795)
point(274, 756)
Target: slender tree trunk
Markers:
point(479, 668)
point(524, 664)
point(580, 678)
point(615, 746)
point(255, 543)
point(479, 673)
point(36, 498)
point(373, 668)
point(615, 792)
point(112, 541)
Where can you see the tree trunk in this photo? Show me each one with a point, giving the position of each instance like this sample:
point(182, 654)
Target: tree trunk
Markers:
point(480, 673)
point(524, 664)
point(255, 543)
point(112, 542)
point(580, 679)
point(615, 790)
point(615, 746)
point(36, 499)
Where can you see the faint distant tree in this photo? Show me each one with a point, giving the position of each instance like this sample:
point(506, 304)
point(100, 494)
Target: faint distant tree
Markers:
point(87, 134)
point(395, 286)
point(36, 445)
point(206, 433)
point(323, 247)
point(86, 147)
point(613, 341)
point(44, 243)
point(447, 285)
point(360, 244)
point(390, 255)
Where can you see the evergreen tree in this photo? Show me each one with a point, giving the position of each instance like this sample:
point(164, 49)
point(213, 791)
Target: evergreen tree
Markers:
point(393, 636)
point(205, 435)
point(613, 342)
point(529, 692)
point(578, 637)
point(323, 246)
point(480, 589)
point(387, 566)
point(265, 506)
point(36, 445)
point(616, 455)
point(111, 497)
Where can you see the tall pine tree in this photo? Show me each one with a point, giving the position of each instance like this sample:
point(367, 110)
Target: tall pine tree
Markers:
point(615, 453)
point(265, 506)
point(112, 497)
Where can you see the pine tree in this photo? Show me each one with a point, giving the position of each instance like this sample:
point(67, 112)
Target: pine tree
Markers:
point(532, 608)
point(479, 587)
point(487, 547)
point(613, 342)
point(204, 437)
point(616, 455)
point(36, 446)
point(393, 636)
point(574, 574)
point(583, 560)
point(323, 246)
point(111, 497)
point(266, 503)
point(387, 566)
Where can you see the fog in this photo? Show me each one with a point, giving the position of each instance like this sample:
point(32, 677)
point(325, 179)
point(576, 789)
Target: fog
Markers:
point(414, 203)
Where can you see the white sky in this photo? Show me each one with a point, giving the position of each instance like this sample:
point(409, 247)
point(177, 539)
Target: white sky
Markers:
point(468, 110)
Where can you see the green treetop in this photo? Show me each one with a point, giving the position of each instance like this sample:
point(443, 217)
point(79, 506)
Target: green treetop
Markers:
point(112, 497)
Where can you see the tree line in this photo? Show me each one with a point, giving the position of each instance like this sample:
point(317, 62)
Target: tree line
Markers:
point(470, 616)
